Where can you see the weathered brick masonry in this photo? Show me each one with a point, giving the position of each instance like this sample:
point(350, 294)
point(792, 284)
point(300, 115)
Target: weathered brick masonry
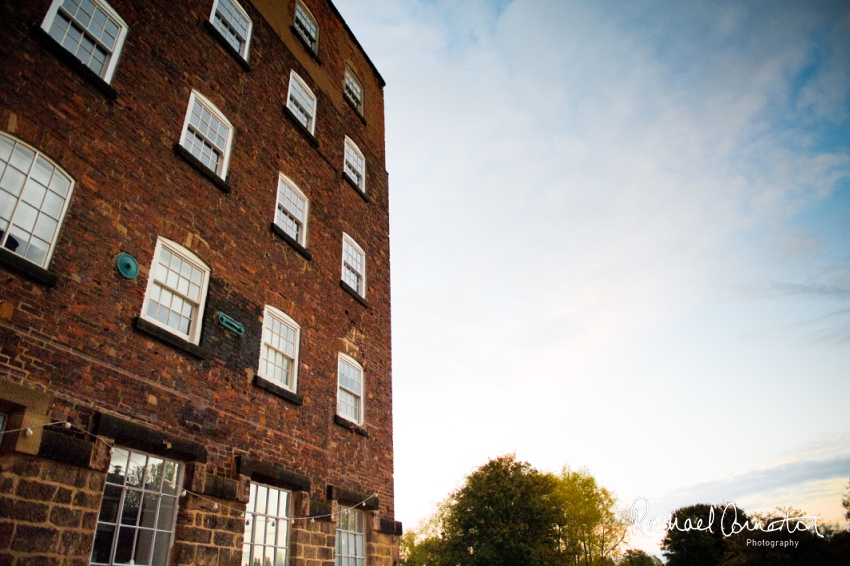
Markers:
point(72, 348)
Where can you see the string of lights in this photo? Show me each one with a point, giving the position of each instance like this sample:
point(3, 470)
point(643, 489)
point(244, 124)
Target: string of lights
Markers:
point(28, 431)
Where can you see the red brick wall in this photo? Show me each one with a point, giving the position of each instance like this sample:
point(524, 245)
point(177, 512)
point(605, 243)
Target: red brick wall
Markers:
point(76, 339)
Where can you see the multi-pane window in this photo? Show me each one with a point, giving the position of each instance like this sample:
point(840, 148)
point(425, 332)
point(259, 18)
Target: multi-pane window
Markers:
point(302, 102)
point(353, 265)
point(279, 352)
point(291, 211)
point(350, 538)
point(138, 510)
point(34, 195)
point(355, 164)
point(353, 89)
point(234, 24)
point(306, 26)
point(350, 391)
point(90, 30)
point(207, 134)
point(266, 527)
point(177, 287)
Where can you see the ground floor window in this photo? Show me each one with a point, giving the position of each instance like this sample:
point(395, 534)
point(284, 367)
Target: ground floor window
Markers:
point(350, 537)
point(266, 526)
point(138, 511)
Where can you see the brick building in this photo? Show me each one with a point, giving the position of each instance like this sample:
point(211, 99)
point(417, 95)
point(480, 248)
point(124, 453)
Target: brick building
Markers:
point(195, 362)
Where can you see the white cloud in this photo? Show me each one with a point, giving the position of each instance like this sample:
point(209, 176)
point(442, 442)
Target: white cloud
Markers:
point(579, 191)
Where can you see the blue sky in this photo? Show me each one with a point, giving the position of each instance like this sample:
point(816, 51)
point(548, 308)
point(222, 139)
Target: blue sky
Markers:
point(620, 239)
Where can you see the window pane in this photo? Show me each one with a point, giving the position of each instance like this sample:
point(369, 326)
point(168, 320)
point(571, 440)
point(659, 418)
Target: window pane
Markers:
point(24, 193)
point(167, 507)
point(13, 181)
point(44, 228)
point(42, 171)
point(53, 205)
point(109, 505)
point(22, 158)
point(144, 506)
point(60, 184)
point(150, 502)
point(306, 25)
point(161, 548)
point(86, 31)
point(102, 544)
point(124, 547)
point(144, 547)
point(301, 102)
point(6, 147)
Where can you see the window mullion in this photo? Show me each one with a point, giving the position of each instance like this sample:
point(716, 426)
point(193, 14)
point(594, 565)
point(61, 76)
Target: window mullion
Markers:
point(167, 287)
point(118, 522)
point(89, 34)
point(154, 529)
point(203, 136)
point(273, 349)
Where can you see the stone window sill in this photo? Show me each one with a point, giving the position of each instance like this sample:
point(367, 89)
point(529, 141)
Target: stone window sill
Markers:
point(28, 268)
point(276, 389)
point(214, 31)
point(354, 184)
point(306, 45)
point(68, 58)
point(291, 241)
point(170, 339)
point(354, 293)
point(307, 134)
point(222, 185)
point(345, 423)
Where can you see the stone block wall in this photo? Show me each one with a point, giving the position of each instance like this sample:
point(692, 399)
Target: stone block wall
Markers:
point(48, 511)
point(208, 535)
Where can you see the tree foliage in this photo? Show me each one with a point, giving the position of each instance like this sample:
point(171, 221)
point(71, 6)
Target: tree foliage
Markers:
point(689, 544)
point(846, 503)
point(590, 528)
point(508, 513)
point(638, 558)
point(503, 516)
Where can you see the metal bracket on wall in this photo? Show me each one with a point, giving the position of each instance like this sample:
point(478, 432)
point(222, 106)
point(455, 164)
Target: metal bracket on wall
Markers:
point(230, 324)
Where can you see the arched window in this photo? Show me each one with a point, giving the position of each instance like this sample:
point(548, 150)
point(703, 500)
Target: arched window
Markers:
point(34, 196)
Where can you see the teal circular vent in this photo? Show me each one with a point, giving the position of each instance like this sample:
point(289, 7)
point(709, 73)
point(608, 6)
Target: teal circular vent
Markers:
point(127, 265)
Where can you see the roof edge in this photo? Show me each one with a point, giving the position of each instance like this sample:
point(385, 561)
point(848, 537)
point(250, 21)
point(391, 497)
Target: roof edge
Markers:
point(351, 33)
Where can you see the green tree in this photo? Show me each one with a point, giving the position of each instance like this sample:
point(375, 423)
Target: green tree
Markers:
point(846, 503)
point(503, 516)
point(689, 543)
point(590, 528)
point(423, 545)
point(638, 558)
point(508, 513)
